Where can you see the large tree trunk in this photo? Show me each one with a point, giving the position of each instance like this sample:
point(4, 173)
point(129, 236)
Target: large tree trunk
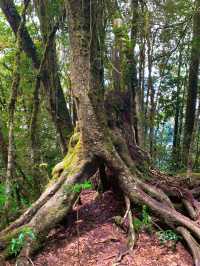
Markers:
point(95, 143)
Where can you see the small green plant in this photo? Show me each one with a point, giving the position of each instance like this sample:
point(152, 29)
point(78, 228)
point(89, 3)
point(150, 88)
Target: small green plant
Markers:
point(137, 223)
point(17, 244)
point(145, 222)
point(78, 187)
point(146, 219)
point(168, 235)
point(2, 196)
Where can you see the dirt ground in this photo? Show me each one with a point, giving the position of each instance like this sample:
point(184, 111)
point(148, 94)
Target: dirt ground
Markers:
point(89, 237)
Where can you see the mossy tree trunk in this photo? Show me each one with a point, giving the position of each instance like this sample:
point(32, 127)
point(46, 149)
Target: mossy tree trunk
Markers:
point(96, 141)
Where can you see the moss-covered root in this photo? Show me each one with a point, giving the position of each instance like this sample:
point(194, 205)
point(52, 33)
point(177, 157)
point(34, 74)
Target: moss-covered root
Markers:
point(52, 211)
point(69, 163)
point(69, 166)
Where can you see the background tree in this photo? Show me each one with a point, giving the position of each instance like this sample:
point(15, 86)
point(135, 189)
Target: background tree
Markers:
point(192, 87)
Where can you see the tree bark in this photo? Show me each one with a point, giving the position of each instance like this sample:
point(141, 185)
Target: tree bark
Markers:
point(176, 137)
point(11, 112)
point(58, 109)
point(3, 146)
point(192, 86)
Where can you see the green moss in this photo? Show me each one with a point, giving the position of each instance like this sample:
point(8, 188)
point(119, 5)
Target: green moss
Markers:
point(70, 161)
point(193, 174)
point(109, 145)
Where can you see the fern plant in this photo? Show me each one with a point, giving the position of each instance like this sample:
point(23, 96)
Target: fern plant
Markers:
point(168, 235)
point(17, 244)
point(79, 187)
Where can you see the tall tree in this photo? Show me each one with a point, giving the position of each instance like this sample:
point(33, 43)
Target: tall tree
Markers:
point(192, 86)
point(57, 104)
point(3, 146)
point(11, 111)
point(176, 137)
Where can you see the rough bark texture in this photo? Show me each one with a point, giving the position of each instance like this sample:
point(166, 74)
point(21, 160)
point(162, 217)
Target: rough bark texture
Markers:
point(192, 86)
point(176, 137)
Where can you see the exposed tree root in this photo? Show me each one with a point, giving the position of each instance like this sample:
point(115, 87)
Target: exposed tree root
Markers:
point(193, 245)
point(50, 213)
point(58, 199)
point(157, 193)
point(132, 236)
point(171, 216)
point(190, 209)
point(26, 217)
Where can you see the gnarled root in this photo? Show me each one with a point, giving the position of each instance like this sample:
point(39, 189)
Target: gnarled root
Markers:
point(57, 201)
point(48, 214)
point(132, 235)
point(193, 245)
point(190, 209)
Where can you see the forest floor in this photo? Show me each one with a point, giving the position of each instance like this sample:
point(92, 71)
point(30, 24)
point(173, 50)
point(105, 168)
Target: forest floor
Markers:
point(91, 238)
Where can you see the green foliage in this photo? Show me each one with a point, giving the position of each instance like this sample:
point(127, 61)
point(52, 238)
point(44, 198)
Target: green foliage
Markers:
point(145, 222)
point(17, 244)
point(15, 202)
point(120, 31)
point(168, 235)
point(138, 224)
point(2, 196)
point(79, 187)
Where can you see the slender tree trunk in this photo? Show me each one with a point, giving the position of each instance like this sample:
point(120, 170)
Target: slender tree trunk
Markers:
point(58, 109)
point(197, 133)
point(191, 161)
point(56, 97)
point(3, 146)
point(151, 92)
point(176, 137)
point(142, 87)
point(192, 86)
point(132, 77)
point(117, 57)
point(11, 112)
point(35, 141)
point(11, 155)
